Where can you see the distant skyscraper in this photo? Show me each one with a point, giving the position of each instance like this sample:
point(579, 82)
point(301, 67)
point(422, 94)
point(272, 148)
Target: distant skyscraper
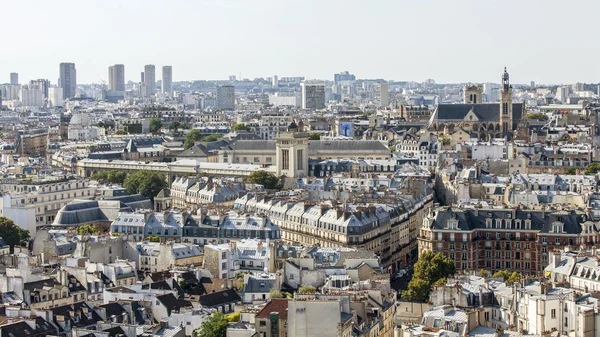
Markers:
point(116, 77)
point(275, 81)
point(43, 85)
point(150, 79)
point(226, 97)
point(533, 84)
point(380, 94)
point(313, 95)
point(55, 96)
point(232, 78)
point(167, 80)
point(14, 79)
point(68, 80)
point(344, 77)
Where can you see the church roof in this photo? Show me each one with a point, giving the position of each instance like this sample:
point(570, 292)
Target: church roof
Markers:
point(485, 112)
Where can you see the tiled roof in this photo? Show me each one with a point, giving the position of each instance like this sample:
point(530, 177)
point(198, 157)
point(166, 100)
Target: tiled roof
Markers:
point(275, 305)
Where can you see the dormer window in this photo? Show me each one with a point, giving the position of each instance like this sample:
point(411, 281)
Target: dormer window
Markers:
point(498, 223)
point(453, 224)
point(488, 223)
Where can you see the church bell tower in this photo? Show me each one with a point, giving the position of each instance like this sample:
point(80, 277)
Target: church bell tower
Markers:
point(506, 105)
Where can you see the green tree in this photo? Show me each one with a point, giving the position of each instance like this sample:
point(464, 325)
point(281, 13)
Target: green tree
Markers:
point(261, 177)
point(100, 175)
point(233, 317)
point(175, 125)
point(592, 168)
point(306, 289)
point(240, 127)
point(507, 276)
point(212, 138)
point(120, 132)
point(87, 229)
point(429, 270)
point(155, 238)
point(483, 273)
point(145, 182)
point(215, 326)
point(116, 177)
point(571, 170)
point(155, 124)
point(314, 136)
point(191, 138)
point(12, 234)
point(276, 294)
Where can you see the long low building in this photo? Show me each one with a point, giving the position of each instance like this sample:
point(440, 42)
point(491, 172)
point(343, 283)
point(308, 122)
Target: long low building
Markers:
point(87, 167)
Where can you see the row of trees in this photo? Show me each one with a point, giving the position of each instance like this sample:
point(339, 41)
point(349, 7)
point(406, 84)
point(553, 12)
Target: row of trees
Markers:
point(112, 176)
point(145, 182)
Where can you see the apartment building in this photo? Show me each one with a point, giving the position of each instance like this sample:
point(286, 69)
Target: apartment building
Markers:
point(34, 204)
point(516, 239)
point(389, 231)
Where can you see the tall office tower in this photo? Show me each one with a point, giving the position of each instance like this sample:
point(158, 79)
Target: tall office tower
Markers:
point(116, 77)
point(226, 97)
point(275, 81)
point(313, 95)
point(167, 80)
point(32, 95)
point(380, 94)
point(43, 85)
point(14, 79)
point(344, 77)
point(68, 80)
point(150, 79)
point(55, 96)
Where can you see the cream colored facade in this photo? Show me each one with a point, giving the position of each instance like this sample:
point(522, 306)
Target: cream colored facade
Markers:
point(32, 205)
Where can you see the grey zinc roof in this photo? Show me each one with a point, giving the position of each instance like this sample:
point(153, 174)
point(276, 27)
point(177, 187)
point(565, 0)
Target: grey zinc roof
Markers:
point(485, 112)
point(347, 146)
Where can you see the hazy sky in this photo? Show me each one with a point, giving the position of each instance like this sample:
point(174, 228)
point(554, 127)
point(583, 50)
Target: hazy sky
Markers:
point(546, 41)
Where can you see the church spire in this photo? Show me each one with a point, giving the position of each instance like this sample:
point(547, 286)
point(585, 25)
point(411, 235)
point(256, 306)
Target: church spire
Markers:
point(505, 81)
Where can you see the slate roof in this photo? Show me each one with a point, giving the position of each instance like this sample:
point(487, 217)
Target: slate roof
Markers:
point(42, 329)
point(40, 284)
point(485, 112)
point(84, 321)
point(220, 298)
point(469, 219)
point(259, 285)
point(172, 303)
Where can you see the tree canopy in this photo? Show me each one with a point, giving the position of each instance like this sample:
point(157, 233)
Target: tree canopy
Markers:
point(571, 170)
point(314, 136)
point(120, 132)
point(12, 234)
point(240, 127)
point(215, 326)
point(592, 168)
point(145, 182)
point(155, 238)
point(113, 176)
point(508, 276)
point(267, 179)
point(429, 270)
point(276, 294)
point(306, 289)
point(212, 138)
point(191, 138)
point(87, 229)
point(155, 124)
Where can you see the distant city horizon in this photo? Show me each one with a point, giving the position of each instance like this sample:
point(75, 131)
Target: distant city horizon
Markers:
point(107, 81)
